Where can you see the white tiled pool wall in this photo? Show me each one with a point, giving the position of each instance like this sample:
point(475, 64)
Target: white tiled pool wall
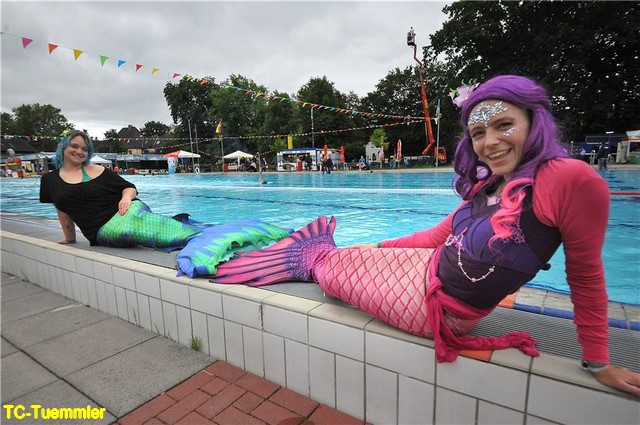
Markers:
point(336, 355)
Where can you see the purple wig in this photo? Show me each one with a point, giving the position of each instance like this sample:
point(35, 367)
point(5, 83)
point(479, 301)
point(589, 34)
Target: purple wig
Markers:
point(542, 144)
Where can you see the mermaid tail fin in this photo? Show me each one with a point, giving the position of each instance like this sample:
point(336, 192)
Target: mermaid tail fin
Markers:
point(293, 258)
point(203, 253)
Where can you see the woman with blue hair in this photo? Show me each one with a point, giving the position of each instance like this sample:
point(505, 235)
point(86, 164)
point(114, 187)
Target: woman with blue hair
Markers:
point(522, 196)
point(105, 208)
point(103, 204)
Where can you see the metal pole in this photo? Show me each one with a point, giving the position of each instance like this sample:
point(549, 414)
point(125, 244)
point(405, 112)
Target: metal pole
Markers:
point(191, 142)
point(195, 129)
point(313, 142)
point(438, 116)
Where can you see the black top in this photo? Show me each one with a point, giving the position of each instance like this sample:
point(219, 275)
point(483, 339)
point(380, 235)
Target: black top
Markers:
point(89, 204)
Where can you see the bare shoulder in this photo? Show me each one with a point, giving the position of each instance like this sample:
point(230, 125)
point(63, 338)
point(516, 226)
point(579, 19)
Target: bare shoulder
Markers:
point(94, 170)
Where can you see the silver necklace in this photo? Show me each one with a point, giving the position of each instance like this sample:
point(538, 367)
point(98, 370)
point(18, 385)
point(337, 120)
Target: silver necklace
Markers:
point(457, 240)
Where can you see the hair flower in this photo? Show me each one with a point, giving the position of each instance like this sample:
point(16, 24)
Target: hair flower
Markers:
point(462, 93)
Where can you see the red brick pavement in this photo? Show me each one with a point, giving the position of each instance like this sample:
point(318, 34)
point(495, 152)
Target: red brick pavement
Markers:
point(223, 394)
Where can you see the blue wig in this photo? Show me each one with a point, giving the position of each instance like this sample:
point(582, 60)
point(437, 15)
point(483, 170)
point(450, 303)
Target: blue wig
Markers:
point(58, 160)
point(542, 144)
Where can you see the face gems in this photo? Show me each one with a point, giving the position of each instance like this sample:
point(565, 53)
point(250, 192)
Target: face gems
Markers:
point(510, 131)
point(484, 112)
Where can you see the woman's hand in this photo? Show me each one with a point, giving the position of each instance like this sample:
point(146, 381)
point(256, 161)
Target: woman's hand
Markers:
point(124, 205)
point(128, 195)
point(620, 379)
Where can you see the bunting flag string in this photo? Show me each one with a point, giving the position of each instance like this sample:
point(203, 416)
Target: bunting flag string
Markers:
point(269, 96)
point(26, 42)
point(212, 139)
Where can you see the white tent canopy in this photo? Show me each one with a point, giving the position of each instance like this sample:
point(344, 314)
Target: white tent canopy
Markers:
point(238, 155)
point(182, 154)
point(97, 159)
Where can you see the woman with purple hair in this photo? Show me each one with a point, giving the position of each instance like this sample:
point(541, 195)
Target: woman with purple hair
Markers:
point(522, 196)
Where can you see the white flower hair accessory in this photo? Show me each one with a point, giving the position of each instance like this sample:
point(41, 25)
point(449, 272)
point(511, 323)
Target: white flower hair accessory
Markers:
point(462, 93)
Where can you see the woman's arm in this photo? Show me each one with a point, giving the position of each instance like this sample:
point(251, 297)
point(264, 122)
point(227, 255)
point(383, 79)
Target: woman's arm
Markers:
point(571, 196)
point(68, 227)
point(428, 238)
point(128, 195)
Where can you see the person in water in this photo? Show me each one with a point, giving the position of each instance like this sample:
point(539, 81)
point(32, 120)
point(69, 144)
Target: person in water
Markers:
point(103, 204)
point(522, 196)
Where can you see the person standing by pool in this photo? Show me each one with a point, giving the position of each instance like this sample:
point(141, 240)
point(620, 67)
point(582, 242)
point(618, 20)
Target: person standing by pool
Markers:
point(522, 196)
point(602, 158)
point(103, 204)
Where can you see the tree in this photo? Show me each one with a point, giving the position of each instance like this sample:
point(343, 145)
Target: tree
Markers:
point(378, 137)
point(242, 113)
point(321, 91)
point(111, 143)
point(586, 53)
point(154, 128)
point(6, 123)
point(42, 123)
point(280, 118)
point(39, 120)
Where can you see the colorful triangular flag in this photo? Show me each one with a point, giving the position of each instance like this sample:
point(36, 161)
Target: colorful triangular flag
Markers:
point(25, 42)
point(103, 59)
point(52, 47)
point(154, 70)
point(175, 74)
point(138, 66)
point(77, 53)
point(121, 62)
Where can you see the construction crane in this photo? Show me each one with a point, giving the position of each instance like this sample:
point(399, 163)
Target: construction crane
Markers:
point(431, 141)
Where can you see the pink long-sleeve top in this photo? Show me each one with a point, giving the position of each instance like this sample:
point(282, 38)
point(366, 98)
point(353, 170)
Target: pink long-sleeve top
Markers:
point(571, 197)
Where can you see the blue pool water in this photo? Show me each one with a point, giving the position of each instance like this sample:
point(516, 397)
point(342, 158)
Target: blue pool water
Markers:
point(369, 207)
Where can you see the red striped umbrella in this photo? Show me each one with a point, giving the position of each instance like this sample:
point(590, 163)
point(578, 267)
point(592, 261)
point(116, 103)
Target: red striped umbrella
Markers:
point(341, 153)
point(326, 151)
point(399, 150)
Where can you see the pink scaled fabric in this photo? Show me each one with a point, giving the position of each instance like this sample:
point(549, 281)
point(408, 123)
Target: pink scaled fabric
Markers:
point(448, 344)
point(399, 286)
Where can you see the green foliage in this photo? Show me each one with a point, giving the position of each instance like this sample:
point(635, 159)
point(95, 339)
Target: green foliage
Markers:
point(196, 343)
point(241, 114)
point(37, 120)
point(378, 137)
point(7, 123)
point(111, 143)
point(322, 91)
point(154, 128)
point(586, 53)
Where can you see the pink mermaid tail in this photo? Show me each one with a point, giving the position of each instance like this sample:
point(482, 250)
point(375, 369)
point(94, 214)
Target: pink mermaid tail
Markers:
point(293, 258)
point(396, 285)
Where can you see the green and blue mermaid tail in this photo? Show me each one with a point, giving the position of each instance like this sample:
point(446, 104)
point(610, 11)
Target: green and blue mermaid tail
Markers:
point(216, 244)
point(140, 226)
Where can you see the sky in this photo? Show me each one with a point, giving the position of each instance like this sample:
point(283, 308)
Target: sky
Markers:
point(280, 45)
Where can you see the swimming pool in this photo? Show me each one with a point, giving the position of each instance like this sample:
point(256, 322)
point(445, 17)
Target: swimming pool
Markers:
point(369, 207)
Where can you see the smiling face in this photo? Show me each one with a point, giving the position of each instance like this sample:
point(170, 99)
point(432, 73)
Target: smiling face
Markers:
point(77, 151)
point(499, 131)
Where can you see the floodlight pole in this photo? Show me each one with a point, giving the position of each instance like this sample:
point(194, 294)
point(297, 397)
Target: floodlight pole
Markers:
point(191, 142)
point(313, 142)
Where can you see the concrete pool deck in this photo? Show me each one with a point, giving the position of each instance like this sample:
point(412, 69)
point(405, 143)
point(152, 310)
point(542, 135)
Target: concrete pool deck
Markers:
point(330, 352)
